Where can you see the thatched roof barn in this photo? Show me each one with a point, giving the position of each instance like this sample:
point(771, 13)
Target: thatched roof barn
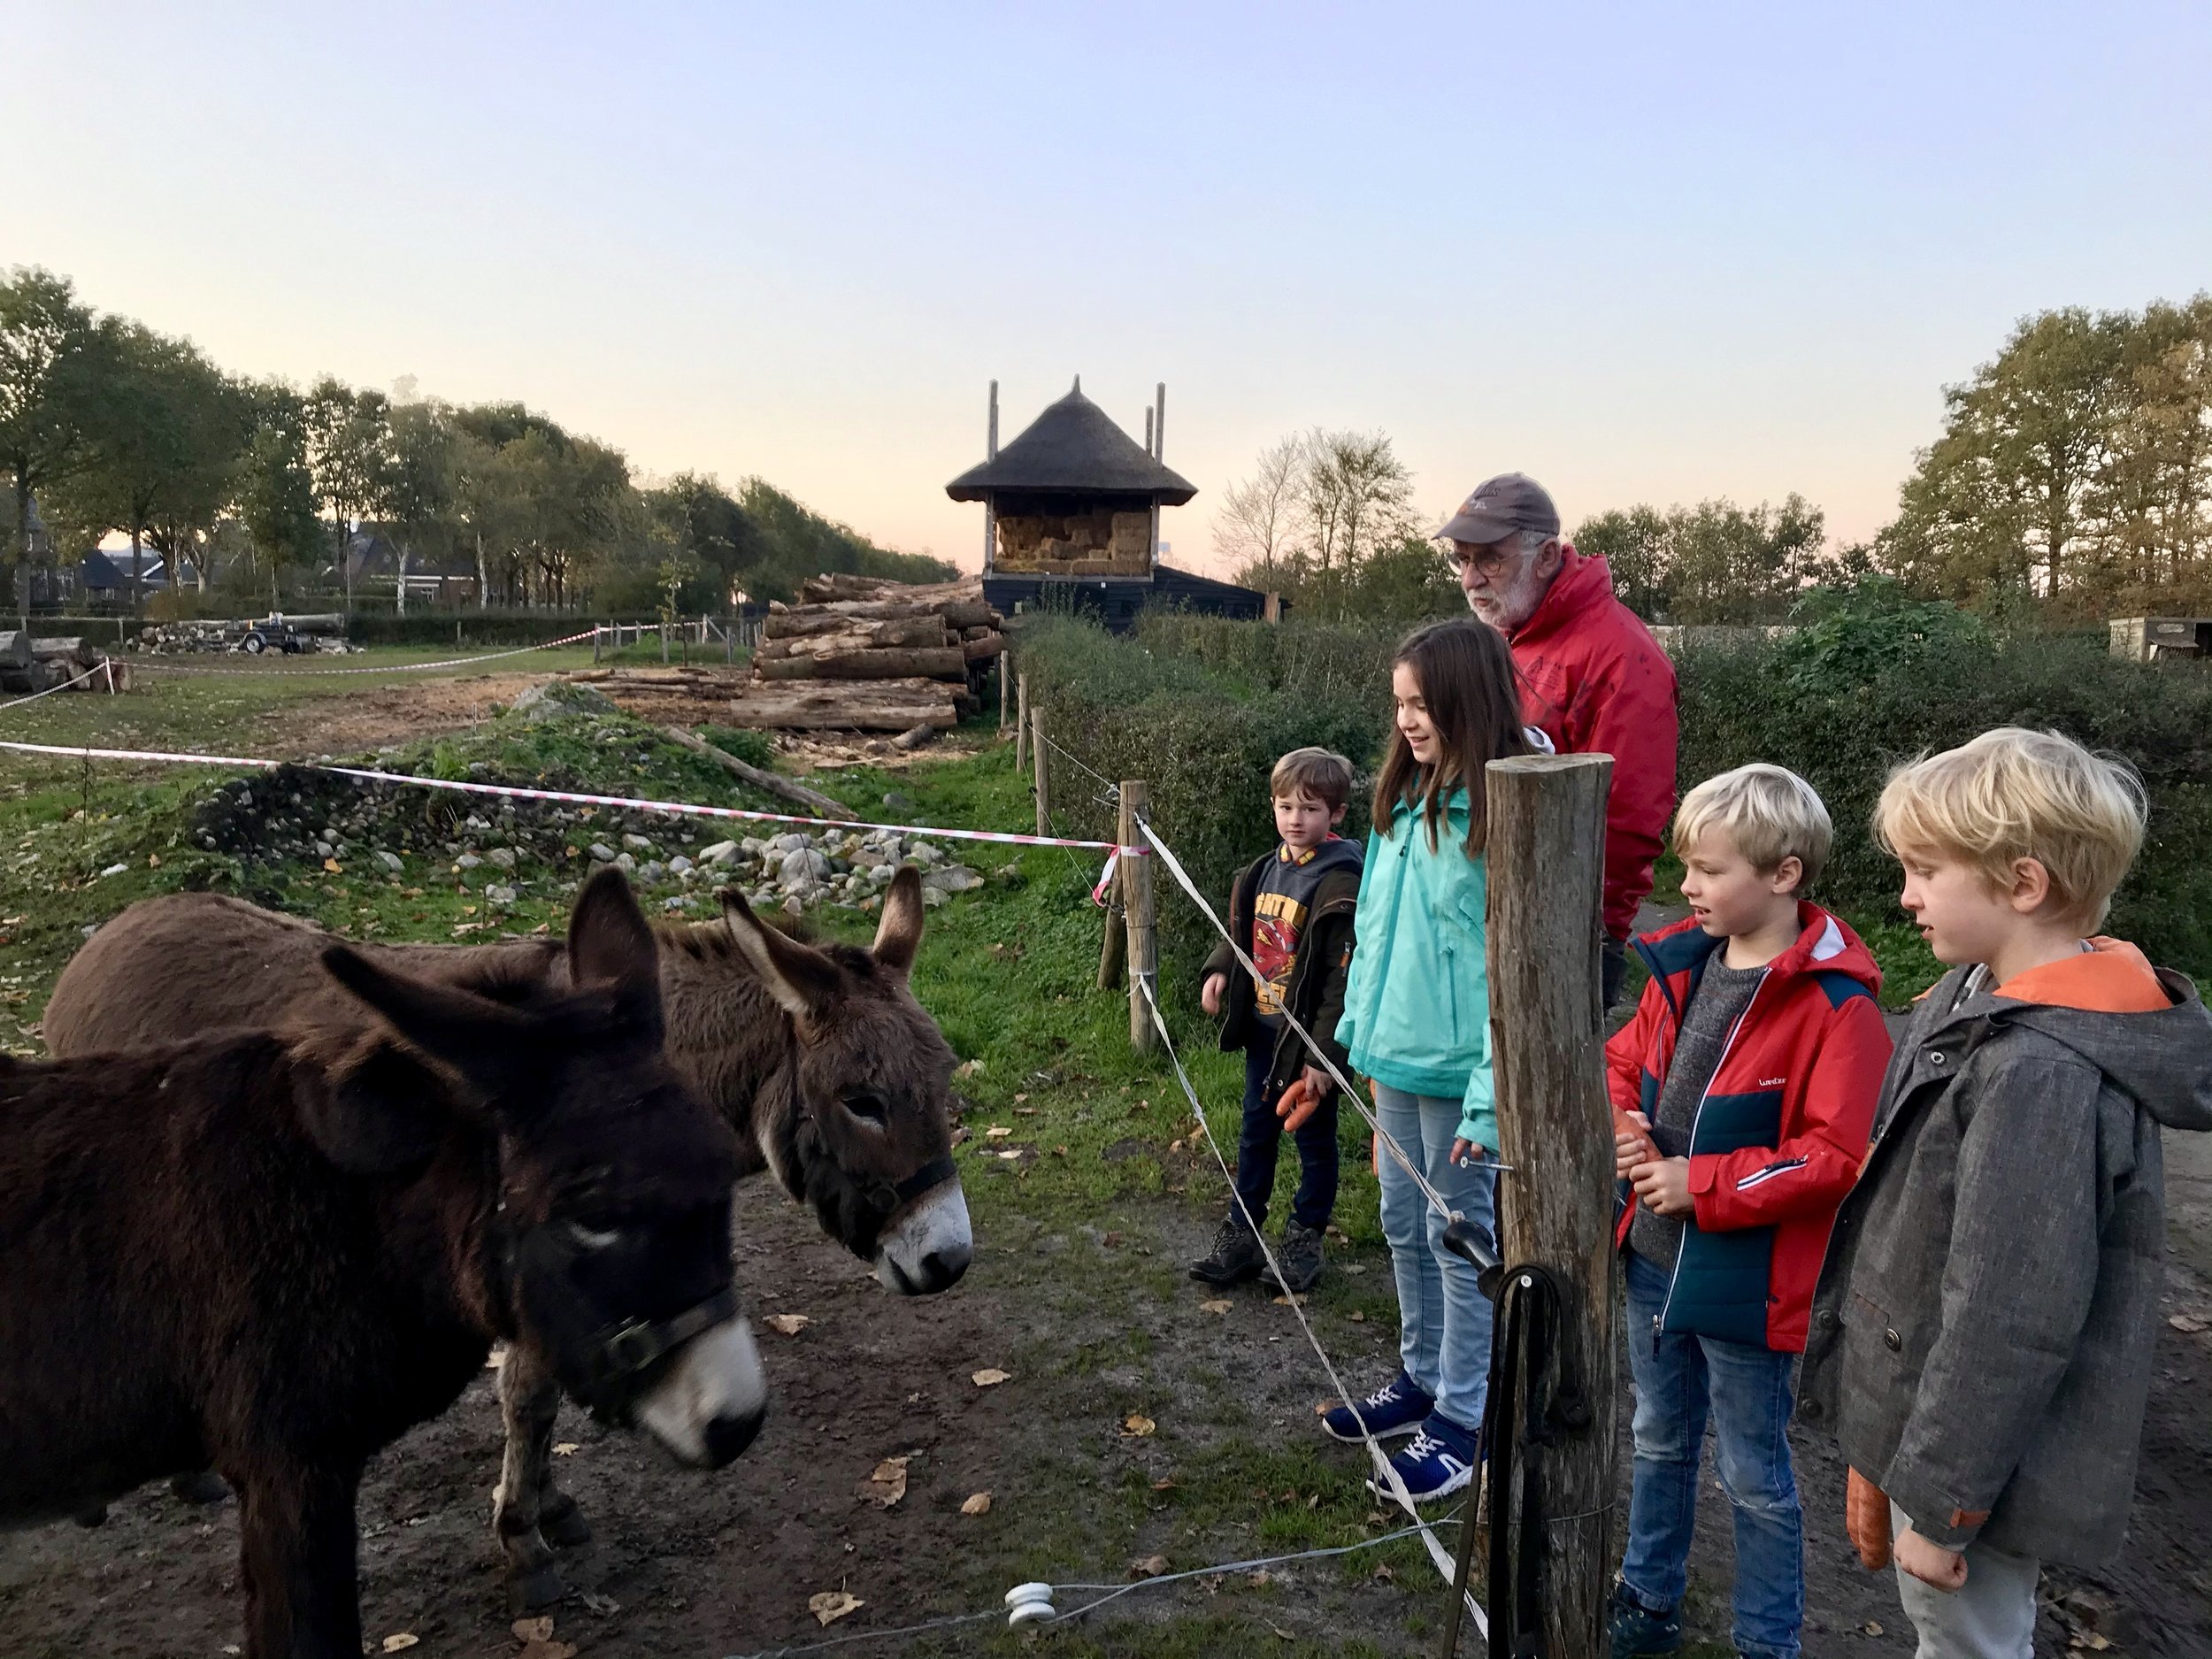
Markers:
point(1072, 448)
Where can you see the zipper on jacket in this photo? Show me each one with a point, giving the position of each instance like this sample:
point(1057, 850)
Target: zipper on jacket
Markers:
point(1698, 1116)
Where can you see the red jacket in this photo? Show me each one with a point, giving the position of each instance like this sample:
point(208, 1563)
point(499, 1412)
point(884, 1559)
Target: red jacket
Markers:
point(1781, 1131)
point(1596, 681)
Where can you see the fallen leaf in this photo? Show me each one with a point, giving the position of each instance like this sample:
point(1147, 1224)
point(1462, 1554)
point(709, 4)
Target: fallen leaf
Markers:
point(1008, 1157)
point(1356, 1316)
point(1259, 1580)
point(1148, 1566)
point(1113, 1241)
point(978, 1505)
point(1018, 1099)
point(1135, 1426)
point(605, 1606)
point(829, 1606)
point(2094, 1641)
point(400, 1641)
point(1165, 1483)
point(1059, 1152)
point(537, 1629)
point(1174, 1146)
point(885, 1485)
point(2188, 1321)
point(990, 1377)
point(1290, 1302)
point(567, 1449)
point(1384, 1573)
point(997, 1132)
point(789, 1323)
point(1025, 1111)
point(333, 865)
point(1280, 1634)
point(1322, 1408)
point(1871, 1627)
point(1217, 1305)
point(153, 861)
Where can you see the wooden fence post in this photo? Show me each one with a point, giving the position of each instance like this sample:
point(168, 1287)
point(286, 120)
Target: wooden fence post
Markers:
point(1114, 953)
point(1546, 857)
point(595, 644)
point(729, 639)
point(1044, 787)
point(1138, 917)
point(1021, 722)
point(1002, 694)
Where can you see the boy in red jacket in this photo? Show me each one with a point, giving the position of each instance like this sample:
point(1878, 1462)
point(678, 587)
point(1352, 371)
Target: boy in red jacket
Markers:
point(1743, 1093)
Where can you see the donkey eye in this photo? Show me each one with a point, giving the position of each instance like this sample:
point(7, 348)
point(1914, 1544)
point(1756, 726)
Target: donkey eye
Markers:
point(869, 1107)
point(592, 1238)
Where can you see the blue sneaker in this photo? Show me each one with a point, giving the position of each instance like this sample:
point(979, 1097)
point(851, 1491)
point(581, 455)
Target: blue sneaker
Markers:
point(1638, 1631)
point(1440, 1461)
point(1399, 1406)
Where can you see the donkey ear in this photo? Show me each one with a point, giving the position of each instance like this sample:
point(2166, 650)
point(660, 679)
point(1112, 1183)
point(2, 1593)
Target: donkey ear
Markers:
point(898, 934)
point(378, 1110)
point(803, 981)
point(481, 1039)
point(610, 941)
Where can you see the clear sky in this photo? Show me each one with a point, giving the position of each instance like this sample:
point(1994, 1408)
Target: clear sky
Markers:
point(1646, 252)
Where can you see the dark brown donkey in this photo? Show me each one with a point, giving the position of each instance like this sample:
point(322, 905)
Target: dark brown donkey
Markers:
point(276, 1252)
point(818, 1056)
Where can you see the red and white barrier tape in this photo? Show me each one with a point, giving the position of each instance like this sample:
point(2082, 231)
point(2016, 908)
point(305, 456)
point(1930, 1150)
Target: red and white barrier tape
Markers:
point(155, 664)
point(514, 791)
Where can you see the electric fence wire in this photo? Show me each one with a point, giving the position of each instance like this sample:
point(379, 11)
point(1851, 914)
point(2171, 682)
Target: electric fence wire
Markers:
point(97, 669)
point(1388, 1478)
point(1114, 1592)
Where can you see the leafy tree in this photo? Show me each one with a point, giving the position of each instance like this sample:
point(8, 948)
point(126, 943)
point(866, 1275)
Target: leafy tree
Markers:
point(349, 451)
point(55, 356)
point(1713, 562)
point(276, 500)
point(1634, 544)
point(418, 484)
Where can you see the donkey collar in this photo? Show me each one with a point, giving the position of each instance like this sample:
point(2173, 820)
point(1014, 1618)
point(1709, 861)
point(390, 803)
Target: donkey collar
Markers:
point(936, 1172)
point(630, 1348)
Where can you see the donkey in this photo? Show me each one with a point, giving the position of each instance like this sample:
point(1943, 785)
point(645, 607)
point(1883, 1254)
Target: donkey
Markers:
point(278, 1250)
point(818, 1056)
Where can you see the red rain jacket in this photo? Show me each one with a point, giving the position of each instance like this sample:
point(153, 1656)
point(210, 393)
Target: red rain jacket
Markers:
point(1781, 1131)
point(1597, 683)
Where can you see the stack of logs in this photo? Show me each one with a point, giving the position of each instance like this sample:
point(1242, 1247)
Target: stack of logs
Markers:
point(28, 664)
point(862, 654)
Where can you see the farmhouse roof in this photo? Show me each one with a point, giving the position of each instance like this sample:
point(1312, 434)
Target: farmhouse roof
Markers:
point(1073, 446)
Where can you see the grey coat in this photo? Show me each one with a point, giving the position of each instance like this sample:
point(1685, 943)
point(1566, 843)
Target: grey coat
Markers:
point(1982, 1334)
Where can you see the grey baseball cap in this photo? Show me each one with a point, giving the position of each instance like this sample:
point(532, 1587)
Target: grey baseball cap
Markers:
point(1501, 505)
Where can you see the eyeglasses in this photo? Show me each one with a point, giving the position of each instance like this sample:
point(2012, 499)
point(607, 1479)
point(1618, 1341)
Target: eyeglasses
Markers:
point(1490, 558)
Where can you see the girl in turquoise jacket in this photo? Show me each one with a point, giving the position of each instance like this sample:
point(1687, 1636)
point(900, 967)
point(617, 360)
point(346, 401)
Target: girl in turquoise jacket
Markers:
point(1416, 1022)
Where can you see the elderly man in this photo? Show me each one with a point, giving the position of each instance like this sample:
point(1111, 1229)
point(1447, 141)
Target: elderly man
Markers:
point(1591, 674)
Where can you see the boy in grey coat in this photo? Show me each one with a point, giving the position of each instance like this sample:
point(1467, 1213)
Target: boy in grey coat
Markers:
point(1982, 1334)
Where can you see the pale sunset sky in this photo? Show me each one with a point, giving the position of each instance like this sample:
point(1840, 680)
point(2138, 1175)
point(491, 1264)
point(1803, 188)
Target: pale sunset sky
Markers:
point(1645, 253)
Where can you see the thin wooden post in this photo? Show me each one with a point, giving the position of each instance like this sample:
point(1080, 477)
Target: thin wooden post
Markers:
point(1021, 722)
point(729, 639)
point(1044, 787)
point(1546, 858)
point(662, 629)
point(595, 644)
point(1002, 694)
point(1137, 918)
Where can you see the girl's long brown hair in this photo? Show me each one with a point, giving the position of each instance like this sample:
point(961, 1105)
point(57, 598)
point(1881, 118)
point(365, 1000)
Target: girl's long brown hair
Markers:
point(1466, 677)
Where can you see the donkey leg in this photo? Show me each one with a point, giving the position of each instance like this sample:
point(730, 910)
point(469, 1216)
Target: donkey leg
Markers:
point(296, 1545)
point(529, 1400)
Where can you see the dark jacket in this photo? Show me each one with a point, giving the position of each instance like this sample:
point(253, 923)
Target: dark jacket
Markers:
point(1983, 1331)
point(1780, 1131)
point(1314, 995)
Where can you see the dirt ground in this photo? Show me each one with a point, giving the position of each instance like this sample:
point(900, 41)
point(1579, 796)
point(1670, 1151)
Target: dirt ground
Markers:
point(391, 714)
point(714, 1564)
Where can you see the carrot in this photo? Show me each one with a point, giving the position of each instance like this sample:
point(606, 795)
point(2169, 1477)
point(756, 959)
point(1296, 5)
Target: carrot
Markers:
point(1866, 1518)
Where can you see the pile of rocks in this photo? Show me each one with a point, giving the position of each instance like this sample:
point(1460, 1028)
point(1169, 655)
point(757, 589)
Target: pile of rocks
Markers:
point(847, 867)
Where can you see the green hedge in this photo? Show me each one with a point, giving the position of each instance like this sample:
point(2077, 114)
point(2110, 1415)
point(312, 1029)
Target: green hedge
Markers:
point(1201, 708)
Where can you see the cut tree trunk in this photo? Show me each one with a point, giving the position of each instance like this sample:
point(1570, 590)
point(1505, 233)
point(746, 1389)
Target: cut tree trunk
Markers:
point(852, 706)
point(794, 621)
point(783, 789)
point(940, 663)
point(983, 649)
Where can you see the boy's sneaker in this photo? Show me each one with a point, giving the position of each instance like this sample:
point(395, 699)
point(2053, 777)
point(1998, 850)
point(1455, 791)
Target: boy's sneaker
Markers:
point(1300, 1257)
point(1637, 1630)
point(1236, 1255)
point(1399, 1406)
point(1440, 1462)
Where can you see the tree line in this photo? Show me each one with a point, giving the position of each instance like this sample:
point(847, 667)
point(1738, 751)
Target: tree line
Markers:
point(2073, 475)
point(108, 426)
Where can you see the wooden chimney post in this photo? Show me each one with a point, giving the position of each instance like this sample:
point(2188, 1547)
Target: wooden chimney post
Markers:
point(1546, 858)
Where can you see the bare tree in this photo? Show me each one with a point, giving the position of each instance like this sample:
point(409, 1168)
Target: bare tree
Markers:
point(1259, 516)
point(1355, 496)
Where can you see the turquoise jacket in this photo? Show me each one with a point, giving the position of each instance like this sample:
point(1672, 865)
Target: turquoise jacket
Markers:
point(1416, 1002)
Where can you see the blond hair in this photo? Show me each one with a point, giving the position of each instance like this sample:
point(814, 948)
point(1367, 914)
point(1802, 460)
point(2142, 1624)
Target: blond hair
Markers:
point(2014, 793)
point(1769, 811)
point(1322, 773)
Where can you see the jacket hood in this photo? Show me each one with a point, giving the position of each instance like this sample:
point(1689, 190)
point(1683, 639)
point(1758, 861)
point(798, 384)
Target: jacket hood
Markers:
point(1338, 852)
point(1582, 581)
point(1825, 944)
point(2163, 1057)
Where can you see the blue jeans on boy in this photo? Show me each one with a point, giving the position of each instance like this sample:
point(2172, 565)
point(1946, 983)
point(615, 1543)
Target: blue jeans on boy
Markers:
point(1443, 1317)
point(1262, 1137)
point(1748, 1391)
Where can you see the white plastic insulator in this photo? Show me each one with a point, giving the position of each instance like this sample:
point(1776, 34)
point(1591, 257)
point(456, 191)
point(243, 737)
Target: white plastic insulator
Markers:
point(1030, 1605)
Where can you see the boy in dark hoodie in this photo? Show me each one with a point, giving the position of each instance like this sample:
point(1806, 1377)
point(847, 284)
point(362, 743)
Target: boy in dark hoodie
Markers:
point(1983, 1331)
point(1291, 912)
point(1743, 1091)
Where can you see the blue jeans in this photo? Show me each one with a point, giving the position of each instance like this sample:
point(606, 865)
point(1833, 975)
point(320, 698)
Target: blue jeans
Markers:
point(1262, 1137)
point(1443, 1318)
point(1747, 1392)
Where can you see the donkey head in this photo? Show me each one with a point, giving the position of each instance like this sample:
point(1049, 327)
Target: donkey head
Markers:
point(611, 1243)
point(866, 1137)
